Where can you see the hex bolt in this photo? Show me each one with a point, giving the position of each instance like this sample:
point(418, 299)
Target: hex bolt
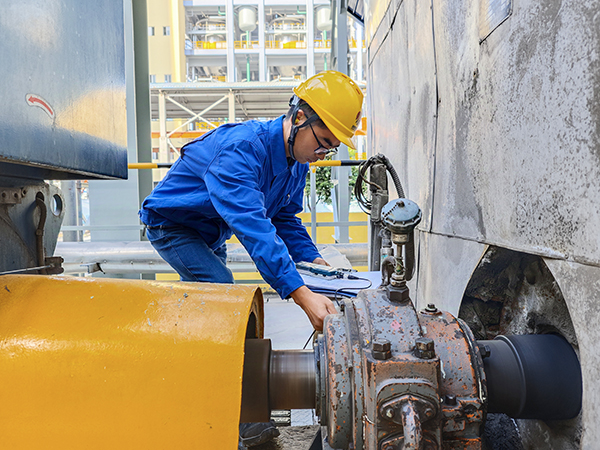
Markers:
point(431, 308)
point(425, 348)
point(484, 350)
point(381, 349)
point(382, 345)
point(428, 413)
point(450, 400)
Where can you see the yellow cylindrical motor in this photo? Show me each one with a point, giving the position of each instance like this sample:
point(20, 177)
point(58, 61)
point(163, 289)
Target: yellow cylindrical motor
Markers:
point(98, 363)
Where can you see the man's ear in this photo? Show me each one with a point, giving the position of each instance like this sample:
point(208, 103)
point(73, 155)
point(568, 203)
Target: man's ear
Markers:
point(300, 117)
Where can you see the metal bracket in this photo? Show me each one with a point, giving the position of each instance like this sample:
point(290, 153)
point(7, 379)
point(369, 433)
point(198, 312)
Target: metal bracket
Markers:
point(92, 267)
point(55, 263)
point(11, 196)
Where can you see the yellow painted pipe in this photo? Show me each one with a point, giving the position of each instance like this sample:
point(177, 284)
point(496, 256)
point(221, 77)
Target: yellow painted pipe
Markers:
point(142, 166)
point(324, 163)
point(121, 364)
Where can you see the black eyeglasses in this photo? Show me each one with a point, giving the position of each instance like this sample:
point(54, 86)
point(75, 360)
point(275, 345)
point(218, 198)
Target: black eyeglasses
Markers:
point(321, 149)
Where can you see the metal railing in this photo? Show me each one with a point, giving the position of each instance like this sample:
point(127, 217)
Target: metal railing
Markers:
point(314, 224)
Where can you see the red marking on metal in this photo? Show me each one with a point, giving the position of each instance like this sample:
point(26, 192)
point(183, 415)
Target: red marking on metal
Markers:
point(36, 100)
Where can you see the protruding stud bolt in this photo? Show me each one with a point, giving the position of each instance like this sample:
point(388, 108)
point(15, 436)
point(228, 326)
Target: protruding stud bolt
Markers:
point(425, 348)
point(431, 308)
point(382, 349)
point(389, 413)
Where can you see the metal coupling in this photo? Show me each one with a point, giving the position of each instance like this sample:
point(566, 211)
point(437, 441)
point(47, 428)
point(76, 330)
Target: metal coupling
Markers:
point(424, 348)
point(382, 349)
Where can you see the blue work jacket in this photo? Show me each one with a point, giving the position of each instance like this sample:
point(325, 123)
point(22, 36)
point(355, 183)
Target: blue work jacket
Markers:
point(236, 178)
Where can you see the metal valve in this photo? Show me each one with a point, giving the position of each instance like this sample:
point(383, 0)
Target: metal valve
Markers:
point(400, 217)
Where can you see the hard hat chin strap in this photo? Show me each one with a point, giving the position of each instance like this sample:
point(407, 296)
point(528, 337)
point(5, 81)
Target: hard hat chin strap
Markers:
point(295, 102)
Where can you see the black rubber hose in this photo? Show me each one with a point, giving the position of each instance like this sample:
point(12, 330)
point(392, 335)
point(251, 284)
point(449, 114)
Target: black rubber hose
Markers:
point(394, 175)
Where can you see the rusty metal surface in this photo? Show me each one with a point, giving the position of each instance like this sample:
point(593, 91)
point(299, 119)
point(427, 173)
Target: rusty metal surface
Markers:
point(396, 378)
point(339, 383)
point(463, 390)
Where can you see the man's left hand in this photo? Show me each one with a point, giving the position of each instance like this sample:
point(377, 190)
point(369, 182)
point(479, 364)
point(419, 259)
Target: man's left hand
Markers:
point(321, 261)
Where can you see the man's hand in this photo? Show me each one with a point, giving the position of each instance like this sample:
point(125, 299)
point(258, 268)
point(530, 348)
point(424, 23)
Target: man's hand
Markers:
point(316, 306)
point(321, 261)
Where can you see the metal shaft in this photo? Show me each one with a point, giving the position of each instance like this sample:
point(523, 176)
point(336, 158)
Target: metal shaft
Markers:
point(293, 379)
point(276, 379)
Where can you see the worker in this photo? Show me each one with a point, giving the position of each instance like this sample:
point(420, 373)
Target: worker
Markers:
point(248, 178)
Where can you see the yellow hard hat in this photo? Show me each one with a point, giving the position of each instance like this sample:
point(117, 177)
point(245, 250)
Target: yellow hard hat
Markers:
point(337, 100)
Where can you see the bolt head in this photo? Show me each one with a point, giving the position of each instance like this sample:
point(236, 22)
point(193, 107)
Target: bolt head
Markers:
point(485, 351)
point(382, 345)
point(424, 348)
point(389, 413)
point(425, 344)
point(431, 308)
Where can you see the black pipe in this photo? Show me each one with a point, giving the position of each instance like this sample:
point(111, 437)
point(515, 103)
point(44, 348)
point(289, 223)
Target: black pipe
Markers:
point(532, 377)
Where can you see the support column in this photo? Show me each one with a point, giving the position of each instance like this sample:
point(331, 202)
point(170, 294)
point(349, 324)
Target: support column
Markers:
point(262, 59)
point(341, 191)
point(163, 148)
point(231, 106)
point(360, 32)
point(230, 21)
point(310, 38)
point(139, 129)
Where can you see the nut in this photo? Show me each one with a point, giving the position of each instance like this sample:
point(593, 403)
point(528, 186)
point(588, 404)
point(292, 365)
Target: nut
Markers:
point(425, 348)
point(431, 308)
point(382, 345)
point(484, 350)
point(381, 349)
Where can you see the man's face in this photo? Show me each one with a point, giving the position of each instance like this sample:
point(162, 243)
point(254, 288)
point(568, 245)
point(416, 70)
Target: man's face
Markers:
point(313, 143)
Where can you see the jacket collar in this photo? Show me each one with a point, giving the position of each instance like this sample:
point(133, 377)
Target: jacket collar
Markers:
point(278, 159)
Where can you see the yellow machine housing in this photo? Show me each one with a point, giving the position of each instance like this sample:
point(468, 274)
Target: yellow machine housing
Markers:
point(108, 364)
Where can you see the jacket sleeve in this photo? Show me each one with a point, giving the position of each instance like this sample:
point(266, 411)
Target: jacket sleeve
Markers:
point(232, 180)
point(290, 228)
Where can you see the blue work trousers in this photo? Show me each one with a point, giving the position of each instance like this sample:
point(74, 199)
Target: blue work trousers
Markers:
point(188, 253)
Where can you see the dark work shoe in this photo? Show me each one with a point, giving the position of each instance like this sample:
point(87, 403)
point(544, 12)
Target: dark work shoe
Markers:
point(252, 434)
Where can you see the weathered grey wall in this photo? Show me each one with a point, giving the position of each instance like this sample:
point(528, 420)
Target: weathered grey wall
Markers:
point(499, 142)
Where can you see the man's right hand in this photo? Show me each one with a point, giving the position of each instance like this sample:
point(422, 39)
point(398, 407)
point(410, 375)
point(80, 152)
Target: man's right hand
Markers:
point(316, 306)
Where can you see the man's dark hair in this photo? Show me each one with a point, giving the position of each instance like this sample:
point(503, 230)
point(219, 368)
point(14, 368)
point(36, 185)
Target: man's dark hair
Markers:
point(308, 112)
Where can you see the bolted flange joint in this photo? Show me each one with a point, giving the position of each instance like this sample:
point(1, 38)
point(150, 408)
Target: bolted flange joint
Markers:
point(424, 348)
point(382, 349)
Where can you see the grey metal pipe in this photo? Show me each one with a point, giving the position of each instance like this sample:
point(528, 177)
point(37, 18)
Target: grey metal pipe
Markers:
point(140, 257)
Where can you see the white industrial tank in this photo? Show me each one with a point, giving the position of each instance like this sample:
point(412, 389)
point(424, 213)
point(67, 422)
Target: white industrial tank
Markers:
point(323, 20)
point(247, 18)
